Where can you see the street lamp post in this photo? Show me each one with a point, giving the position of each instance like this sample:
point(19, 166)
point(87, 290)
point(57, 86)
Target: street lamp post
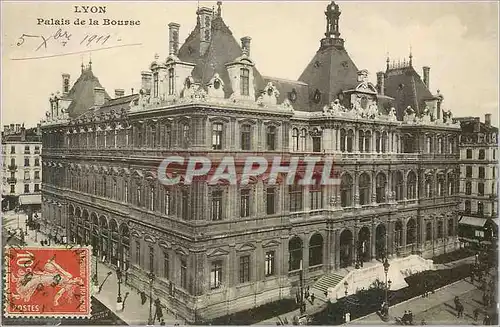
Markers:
point(151, 277)
point(96, 281)
point(385, 314)
point(119, 281)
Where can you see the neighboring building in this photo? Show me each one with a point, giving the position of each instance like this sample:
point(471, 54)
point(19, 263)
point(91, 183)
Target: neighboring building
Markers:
point(22, 168)
point(478, 181)
point(219, 249)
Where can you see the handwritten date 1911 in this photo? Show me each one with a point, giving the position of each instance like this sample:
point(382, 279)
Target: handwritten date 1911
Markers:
point(63, 37)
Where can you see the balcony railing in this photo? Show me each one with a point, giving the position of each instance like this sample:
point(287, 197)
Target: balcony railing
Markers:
point(27, 179)
point(12, 167)
point(12, 180)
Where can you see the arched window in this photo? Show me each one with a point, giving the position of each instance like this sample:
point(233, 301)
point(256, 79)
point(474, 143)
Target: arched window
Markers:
point(428, 186)
point(244, 81)
point(412, 185)
point(428, 231)
point(381, 183)
point(398, 234)
point(378, 139)
point(440, 229)
point(295, 139)
point(368, 137)
point(398, 184)
point(346, 190)
point(246, 137)
point(428, 144)
point(411, 232)
point(343, 140)
point(271, 138)
point(480, 189)
point(350, 139)
point(468, 188)
point(480, 208)
point(361, 140)
point(451, 182)
point(185, 135)
point(364, 189)
point(152, 200)
point(217, 130)
point(384, 142)
point(441, 187)
point(295, 252)
point(316, 250)
point(171, 81)
point(467, 206)
point(303, 138)
point(139, 195)
point(152, 132)
point(451, 227)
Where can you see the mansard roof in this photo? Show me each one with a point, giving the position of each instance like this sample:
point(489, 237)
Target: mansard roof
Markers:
point(82, 93)
point(331, 71)
point(223, 49)
point(116, 105)
point(295, 91)
point(407, 88)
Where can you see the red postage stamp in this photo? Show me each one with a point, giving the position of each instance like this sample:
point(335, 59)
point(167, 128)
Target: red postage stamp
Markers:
point(51, 281)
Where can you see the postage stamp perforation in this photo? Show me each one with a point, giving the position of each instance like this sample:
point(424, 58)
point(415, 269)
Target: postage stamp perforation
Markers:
point(40, 266)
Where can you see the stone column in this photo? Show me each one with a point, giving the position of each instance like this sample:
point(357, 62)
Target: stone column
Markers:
point(356, 188)
point(305, 257)
point(231, 266)
point(374, 188)
point(336, 249)
point(372, 241)
point(355, 244)
point(283, 256)
point(306, 198)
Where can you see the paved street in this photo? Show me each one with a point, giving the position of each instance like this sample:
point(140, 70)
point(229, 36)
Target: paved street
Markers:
point(438, 308)
point(134, 313)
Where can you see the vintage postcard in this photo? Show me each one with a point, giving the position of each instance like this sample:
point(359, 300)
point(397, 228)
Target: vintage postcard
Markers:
point(249, 163)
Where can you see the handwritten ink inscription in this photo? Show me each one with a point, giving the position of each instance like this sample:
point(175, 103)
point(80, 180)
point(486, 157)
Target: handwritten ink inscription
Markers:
point(62, 37)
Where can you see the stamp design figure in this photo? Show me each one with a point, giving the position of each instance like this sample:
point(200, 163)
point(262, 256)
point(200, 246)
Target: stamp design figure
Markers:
point(51, 282)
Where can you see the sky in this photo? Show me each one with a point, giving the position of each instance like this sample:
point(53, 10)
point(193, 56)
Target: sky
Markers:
point(458, 40)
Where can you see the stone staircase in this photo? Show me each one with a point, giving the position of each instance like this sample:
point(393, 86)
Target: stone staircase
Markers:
point(324, 283)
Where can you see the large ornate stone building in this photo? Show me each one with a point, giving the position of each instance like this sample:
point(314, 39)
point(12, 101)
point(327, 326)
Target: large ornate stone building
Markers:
point(216, 249)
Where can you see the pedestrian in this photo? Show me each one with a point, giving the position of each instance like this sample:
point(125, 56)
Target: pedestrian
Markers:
point(307, 293)
point(423, 322)
point(410, 317)
point(486, 320)
point(312, 298)
point(476, 313)
point(162, 322)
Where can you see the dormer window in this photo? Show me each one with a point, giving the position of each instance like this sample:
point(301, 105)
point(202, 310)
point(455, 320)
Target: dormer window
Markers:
point(155, 85)
point(364, 102)
point(188, 83)
point(317, 96)
point(292, 96)
point(269, 91)
point(216, 84)
point(171, 85)
point(244, 81)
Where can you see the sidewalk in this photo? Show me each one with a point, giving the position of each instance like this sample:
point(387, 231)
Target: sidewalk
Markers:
point(310, 309)
point(134, 313)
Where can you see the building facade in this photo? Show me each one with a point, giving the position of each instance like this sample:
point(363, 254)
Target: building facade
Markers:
point(21, 167)
point(217, 249)
point(478, 181)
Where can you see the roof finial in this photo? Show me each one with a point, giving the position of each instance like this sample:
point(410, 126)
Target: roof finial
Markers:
point(411, 56)
point(219, 8)
point(83, 66)
point(90, 61)
point(387, 61)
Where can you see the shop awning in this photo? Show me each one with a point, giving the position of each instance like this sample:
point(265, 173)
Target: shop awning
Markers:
point(472, 221)
point(30, 199)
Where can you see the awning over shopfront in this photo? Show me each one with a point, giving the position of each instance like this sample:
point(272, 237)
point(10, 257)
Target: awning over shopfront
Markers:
point(30, 199)
point(472, 221)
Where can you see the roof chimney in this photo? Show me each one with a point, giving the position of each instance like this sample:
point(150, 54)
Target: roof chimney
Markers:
point(18, 128)
point(23, 134)
point(146, 81)
point(487, 120)
point(119, 93)
point(65, 83)
point(380, 83)
point(6, 129)
point(205, 20)
point(173, 33)
point(99, 96)
point(426, 76)
point(245, 44)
